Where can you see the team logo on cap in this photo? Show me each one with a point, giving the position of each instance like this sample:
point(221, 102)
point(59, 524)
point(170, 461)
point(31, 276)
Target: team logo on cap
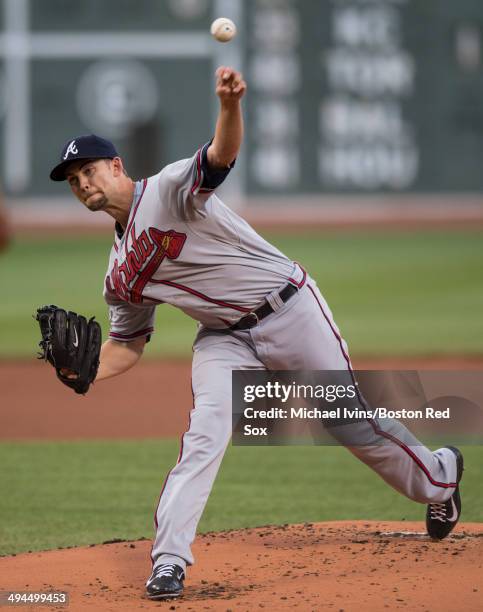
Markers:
point(71, 150)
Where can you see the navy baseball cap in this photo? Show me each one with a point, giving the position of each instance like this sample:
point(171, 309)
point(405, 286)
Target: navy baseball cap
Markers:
point(83, 147)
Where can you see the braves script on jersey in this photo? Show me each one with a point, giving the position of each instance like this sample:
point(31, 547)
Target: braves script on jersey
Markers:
point(184, 247)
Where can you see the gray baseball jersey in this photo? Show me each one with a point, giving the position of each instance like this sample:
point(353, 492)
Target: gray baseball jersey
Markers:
point(183, 246)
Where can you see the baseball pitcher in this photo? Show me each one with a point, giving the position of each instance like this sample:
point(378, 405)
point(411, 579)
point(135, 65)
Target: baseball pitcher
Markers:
point(176, 242)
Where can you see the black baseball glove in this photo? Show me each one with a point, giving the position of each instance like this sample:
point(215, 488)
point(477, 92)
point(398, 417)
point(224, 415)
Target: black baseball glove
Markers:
point(72, 344)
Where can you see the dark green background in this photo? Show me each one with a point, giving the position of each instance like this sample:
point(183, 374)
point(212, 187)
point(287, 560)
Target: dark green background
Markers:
point(446, 108)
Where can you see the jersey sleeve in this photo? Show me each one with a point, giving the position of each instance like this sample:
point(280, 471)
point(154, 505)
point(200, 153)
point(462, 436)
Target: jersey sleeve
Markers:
point(128, 321)
point(187, 184)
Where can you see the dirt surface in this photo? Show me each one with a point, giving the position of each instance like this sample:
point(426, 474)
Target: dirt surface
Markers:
point(152, 400)
point(363, 566)
point(340, 566)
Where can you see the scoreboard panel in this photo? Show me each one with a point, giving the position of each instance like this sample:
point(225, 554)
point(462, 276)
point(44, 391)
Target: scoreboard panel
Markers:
point(364, 96)
point(345, 96)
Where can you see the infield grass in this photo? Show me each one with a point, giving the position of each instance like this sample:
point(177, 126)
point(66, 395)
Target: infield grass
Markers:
point(403, 293)
point(78, 493)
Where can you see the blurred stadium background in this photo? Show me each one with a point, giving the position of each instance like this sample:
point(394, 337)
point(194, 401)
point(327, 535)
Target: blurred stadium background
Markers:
point(353, 104)
point(363, 160)
point(362, 116)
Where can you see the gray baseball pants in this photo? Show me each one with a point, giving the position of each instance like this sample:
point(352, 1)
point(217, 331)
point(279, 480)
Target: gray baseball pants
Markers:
point(300, 335)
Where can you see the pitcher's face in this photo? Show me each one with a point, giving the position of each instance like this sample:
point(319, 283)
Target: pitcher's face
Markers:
point(93, 181)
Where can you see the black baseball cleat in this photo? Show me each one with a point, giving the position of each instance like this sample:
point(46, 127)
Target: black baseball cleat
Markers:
point(166, 582)
point(442, 518)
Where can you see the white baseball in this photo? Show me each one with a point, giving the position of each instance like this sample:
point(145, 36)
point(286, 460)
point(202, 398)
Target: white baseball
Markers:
point(223, 29)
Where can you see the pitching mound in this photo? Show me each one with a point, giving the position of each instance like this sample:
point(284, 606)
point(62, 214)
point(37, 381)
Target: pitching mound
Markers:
point(364, 566)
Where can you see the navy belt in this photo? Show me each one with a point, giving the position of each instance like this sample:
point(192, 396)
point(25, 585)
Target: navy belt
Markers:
point(253, 318)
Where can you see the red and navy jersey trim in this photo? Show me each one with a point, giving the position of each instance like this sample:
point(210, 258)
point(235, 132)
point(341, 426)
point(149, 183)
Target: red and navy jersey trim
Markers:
point(211, 300)
point(207, 179)
point(198, 174)
point(118, 231)
point(202, 296)
point(138, 334)
point(135, 209)
point(300, 284)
